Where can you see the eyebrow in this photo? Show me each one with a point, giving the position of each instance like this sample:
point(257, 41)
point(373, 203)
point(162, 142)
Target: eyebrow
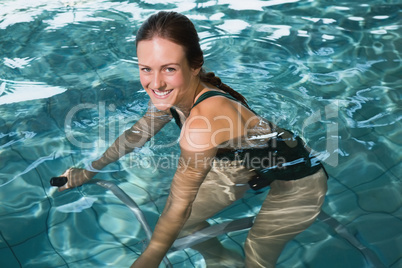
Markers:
point(164, 65)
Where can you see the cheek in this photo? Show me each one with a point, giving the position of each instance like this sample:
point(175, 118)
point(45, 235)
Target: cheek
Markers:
point(143, 80)
point(177, 81)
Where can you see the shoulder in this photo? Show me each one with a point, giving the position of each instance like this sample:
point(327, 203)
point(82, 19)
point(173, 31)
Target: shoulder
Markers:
point(197, 131)
point(213, 100)
point(215, 107)
point(209, 124)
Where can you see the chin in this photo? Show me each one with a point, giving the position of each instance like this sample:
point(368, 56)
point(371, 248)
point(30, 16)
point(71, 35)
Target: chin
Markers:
point(161, 106)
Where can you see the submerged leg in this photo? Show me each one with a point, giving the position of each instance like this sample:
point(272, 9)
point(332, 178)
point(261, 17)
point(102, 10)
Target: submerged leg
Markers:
point(218, 191)
point(290, 207)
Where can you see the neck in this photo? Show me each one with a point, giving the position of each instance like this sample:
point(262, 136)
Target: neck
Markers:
point(189, 100)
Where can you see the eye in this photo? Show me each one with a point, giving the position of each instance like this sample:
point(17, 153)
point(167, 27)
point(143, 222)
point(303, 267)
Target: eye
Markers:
point(170, 69)
point(146, 69)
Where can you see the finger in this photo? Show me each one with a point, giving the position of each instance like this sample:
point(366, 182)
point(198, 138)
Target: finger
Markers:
point(67, 185)
point(64, 187)
point(66, 173)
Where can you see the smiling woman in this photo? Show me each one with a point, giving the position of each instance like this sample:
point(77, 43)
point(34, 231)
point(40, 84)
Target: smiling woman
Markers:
point(223, 143)
point(165, 74)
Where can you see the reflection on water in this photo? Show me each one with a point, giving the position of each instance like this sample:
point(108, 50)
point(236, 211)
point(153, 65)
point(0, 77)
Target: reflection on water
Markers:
point(77, 206)
point(13, 91)
point(294, 61)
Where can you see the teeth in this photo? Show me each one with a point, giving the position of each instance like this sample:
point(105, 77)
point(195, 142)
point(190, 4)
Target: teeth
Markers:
point(162, 93)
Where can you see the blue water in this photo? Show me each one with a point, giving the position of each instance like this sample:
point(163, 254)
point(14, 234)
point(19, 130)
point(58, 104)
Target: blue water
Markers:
point(328, 70)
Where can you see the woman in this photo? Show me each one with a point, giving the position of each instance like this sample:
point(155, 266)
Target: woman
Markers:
point(226, 148)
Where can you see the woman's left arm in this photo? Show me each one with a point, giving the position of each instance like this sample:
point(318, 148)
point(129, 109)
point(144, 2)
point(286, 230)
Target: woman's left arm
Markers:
point(190, 174)
point(201, 135)
point(194, 164)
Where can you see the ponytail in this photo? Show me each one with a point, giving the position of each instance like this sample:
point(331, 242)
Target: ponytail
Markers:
point(216, 81)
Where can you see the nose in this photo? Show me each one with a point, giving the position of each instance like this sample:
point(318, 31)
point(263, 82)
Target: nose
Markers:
point(157, 81)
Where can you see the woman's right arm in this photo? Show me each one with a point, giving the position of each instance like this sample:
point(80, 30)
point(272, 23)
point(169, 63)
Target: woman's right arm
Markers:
point(135, 137)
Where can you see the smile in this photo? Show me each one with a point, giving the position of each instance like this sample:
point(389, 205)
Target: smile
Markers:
point(162, 94)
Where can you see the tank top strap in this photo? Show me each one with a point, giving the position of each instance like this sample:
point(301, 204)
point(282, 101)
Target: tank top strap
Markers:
point(176, 117)
point(209, 94)
point(201, 98)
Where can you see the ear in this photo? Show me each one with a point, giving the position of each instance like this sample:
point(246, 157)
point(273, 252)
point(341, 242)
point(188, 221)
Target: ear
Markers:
point(195, 72)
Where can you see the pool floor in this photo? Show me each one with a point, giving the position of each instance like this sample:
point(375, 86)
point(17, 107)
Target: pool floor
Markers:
point(292, 59)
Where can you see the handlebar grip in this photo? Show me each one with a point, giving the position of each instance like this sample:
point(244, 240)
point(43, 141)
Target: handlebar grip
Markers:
point(58, 181)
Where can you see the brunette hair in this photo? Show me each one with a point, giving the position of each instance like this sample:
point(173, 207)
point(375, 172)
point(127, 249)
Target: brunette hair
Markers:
point(178, 29)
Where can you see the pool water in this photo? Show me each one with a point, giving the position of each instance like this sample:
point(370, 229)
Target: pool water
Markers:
point(69, 85)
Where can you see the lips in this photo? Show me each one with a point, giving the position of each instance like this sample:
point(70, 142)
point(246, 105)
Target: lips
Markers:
point(162, 94)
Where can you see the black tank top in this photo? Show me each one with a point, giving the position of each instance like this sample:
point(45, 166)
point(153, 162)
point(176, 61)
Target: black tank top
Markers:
point(201, 98)
point(299, 162)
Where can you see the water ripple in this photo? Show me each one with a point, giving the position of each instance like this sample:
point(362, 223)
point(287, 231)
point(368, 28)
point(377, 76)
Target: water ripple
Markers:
point(229, 55)
point(24, 91)
point(291, 59)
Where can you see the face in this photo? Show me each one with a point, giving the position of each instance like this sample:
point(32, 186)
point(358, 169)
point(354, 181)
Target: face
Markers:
point(165, 73)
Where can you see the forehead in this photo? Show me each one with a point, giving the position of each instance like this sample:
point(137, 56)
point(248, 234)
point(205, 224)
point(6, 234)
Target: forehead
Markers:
point(159, 51)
